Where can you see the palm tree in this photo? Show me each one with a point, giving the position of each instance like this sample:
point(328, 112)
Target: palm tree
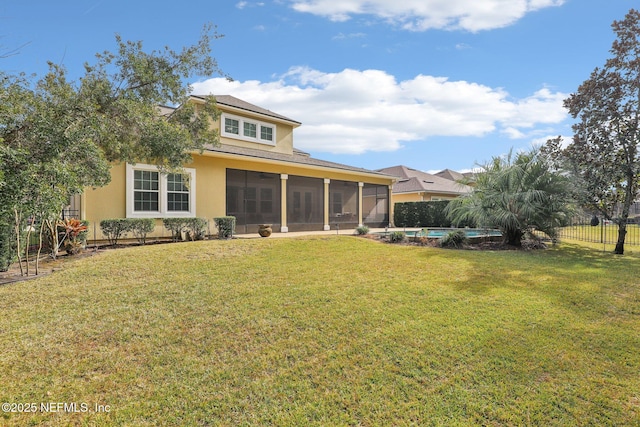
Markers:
point(516, 195)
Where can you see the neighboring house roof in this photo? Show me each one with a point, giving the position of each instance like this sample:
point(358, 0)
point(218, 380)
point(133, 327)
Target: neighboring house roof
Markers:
point(451, 175)
point(455, 176)
point(415, 181)
point(298, 157)
point(235, 103)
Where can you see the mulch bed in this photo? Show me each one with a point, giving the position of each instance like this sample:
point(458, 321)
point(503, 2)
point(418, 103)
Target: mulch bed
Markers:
point(47, 265)
point(485, 246)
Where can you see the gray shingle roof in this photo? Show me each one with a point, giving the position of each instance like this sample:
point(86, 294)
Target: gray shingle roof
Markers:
point(298, 157)
point(232, 101)
point(412, 181)
point(455, 176)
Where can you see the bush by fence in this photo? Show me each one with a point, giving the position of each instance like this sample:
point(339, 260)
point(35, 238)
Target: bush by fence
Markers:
point(422, 214)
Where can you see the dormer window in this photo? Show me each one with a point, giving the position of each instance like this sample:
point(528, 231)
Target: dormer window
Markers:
point(266, 133)
point(231, 126)
point(248, 130)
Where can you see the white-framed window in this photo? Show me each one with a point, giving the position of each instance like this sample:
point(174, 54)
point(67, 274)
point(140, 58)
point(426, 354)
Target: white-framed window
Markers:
point(231, 126)
point(151, 194)
point(248, 129)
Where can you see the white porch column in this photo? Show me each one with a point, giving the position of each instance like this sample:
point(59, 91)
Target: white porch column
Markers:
point(360, 185)
point(391, 206)
point(283, 203)
point(327, 226)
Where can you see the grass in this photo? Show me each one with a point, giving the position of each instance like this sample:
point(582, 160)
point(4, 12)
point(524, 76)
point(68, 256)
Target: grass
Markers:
point(326, 331)
point(602, 233)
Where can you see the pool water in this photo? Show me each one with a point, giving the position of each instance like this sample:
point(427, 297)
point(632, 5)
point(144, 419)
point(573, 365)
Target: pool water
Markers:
point(439, 233)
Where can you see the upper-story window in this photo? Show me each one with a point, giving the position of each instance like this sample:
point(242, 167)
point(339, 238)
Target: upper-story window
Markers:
point(266, 133)
point(231, 126)
point(248, 130)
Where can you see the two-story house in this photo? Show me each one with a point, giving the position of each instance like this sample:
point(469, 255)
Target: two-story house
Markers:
point(255, 174)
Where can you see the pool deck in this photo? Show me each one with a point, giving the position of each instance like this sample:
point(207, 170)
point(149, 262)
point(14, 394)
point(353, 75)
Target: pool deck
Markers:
point(346, 232)
point(342, 232)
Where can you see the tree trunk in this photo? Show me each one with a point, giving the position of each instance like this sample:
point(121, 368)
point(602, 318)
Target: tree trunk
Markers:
point(630, 193)
point(39, 246)
point(17, 219)
point(513, 237)
point(622, 232)
point(53, 231)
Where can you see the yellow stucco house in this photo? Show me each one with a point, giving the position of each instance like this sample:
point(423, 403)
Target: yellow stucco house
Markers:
point(255, 174)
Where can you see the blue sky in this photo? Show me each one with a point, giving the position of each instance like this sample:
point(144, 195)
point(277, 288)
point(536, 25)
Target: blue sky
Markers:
point(431, 84)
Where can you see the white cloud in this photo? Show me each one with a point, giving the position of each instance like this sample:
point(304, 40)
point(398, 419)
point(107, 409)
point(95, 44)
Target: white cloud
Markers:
point(244, 4)
point(513, 133)
point(342, 36)
point(358, 111)
point(421, 15)
point(564, 140)
point(536, 106)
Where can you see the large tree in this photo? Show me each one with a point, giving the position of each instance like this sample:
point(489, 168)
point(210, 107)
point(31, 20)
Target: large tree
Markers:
point(603, 154)
point(516, 194)
point(58, 136)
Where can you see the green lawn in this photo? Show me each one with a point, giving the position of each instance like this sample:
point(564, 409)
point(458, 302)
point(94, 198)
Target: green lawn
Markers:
point(602, 234)
point(326, 331)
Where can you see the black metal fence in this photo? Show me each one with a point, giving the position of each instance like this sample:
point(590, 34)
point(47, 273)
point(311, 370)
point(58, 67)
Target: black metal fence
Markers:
point(586, 229)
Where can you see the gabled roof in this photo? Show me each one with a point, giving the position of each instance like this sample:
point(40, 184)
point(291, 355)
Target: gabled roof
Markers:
point(455, 176)
point(413, 181)
point(239, 104)
point(451, 175)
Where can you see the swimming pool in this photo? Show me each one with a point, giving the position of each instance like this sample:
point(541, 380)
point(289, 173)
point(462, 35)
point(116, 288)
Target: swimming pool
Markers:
point(438, 233)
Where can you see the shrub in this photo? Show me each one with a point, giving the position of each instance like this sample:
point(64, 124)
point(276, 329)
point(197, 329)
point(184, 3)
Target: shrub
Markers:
point(396, 237)
point(176, 226)
point(226, 226)
point(420, 236)
point(454, 239)
point(7, 245)
point(114, 229)
point(74, 232)
point(361, 231)
point(533, 242)
point(423, 214)
point(140, 227)
point(196, 228)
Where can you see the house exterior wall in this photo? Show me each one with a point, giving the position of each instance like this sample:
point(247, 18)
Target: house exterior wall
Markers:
point(421, 197)
point(283, 143)
point(406, 197)
point(210, 192)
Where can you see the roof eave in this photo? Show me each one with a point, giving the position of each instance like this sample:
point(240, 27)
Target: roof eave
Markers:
point(235, 109)
point(258, 159)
